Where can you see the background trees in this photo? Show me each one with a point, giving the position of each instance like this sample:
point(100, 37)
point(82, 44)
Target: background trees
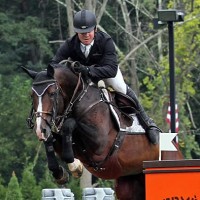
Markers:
point(30, 33)
point(13, 191)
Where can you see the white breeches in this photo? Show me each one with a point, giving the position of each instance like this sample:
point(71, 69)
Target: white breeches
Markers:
point(117, 83)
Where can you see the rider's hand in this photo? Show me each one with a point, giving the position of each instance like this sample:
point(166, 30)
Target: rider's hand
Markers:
point(84, 70)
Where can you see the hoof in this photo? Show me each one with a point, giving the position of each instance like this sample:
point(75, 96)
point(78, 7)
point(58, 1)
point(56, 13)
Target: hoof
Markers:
point(78, 172)
point(64, 179)
point(77, 169)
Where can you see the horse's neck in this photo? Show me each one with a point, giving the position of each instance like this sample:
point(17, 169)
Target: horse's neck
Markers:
point(68, 81)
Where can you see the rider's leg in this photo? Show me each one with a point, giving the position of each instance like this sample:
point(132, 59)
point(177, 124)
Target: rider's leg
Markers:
point(119, 85)
point(146, 122)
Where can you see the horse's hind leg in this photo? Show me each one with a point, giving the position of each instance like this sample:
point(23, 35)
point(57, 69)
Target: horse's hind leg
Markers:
point(59, 173)
point(130, 187)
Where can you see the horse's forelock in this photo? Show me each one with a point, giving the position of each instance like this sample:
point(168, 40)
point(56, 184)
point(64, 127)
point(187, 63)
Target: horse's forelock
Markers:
point(41, 82)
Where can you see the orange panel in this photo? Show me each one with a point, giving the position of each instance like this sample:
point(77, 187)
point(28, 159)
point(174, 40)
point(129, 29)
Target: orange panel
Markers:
point(172, 183)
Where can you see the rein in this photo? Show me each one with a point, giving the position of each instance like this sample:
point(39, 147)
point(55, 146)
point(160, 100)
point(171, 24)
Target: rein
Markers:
point(68, 110)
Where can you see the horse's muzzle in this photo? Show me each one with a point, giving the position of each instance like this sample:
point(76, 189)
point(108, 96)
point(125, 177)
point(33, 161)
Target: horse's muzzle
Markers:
point(43, 131)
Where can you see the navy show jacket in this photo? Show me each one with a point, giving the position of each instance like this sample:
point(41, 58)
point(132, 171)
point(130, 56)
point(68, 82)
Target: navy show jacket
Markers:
point(102, 59)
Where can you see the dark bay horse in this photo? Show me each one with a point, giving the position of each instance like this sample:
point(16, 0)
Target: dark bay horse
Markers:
point(74, 114)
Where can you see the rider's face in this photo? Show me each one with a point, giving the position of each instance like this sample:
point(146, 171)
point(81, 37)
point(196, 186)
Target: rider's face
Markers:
point(86, 38)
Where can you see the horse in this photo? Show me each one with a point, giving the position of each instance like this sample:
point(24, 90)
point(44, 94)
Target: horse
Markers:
point(78, 120)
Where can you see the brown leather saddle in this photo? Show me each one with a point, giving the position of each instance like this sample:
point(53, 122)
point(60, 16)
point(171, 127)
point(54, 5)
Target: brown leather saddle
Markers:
point(124, 104)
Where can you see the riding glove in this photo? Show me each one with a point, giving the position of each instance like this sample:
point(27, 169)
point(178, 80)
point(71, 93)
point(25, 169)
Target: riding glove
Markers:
point(84, 70)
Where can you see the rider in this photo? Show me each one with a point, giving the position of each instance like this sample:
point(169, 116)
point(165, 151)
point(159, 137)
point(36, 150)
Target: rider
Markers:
point(96, 54)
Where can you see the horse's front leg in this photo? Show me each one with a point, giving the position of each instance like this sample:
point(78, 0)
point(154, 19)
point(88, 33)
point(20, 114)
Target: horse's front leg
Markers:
point(59, 173)
point(74, 165)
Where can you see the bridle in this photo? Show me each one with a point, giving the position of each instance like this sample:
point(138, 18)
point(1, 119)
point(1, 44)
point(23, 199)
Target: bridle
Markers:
point(57, 121)
point(52, 113)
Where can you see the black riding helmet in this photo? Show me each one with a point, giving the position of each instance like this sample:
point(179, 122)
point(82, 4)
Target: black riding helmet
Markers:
point(84, 21)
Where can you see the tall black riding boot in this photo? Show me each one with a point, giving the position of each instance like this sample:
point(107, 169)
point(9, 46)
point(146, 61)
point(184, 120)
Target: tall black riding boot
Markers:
point(147, 123)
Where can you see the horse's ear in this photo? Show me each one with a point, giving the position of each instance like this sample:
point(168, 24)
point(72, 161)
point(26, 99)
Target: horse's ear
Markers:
point(50, 71)
point(31, 73)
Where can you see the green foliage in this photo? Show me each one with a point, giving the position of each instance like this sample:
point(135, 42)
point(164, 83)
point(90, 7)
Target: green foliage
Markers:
point(13, 191)
point(17, 143)
point(47, 181)
point(30, 189)
point(74, 185)
point(2, 189)
point(187, 143)
point(156, 81)
point(28, 44)
point(105, 183)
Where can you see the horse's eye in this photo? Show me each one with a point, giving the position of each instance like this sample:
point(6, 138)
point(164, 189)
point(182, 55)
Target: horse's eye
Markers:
point(51, 95)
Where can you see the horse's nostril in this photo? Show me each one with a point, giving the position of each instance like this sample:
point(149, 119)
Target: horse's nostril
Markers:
point(44, 130)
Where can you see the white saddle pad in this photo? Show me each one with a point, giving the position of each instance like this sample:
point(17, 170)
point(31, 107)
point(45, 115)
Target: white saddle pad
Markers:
point(136, 127)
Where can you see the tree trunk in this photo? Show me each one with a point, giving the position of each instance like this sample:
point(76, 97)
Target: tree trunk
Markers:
point(130, 44)
point(69, 17)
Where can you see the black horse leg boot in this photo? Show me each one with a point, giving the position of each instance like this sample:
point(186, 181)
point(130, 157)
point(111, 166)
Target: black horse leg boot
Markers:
point(147, 123)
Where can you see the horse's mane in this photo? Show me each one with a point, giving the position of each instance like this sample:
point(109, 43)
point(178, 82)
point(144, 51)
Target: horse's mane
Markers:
point(65, 65)
point(58, 65)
